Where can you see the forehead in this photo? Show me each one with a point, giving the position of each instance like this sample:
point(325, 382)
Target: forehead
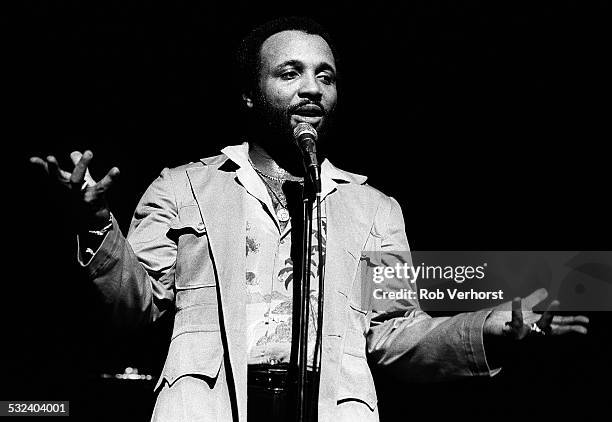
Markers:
point(295, 46)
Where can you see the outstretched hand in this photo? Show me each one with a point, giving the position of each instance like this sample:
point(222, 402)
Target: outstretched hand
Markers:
point(88, 200)
point(516, 319)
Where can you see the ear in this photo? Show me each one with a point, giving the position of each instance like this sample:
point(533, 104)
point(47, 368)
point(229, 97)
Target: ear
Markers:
point(247, 100)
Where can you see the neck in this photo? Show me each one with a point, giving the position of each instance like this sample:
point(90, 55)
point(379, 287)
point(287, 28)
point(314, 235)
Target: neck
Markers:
point(277, 164)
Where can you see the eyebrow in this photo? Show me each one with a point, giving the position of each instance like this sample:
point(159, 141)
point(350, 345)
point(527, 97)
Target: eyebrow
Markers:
point(297, 63)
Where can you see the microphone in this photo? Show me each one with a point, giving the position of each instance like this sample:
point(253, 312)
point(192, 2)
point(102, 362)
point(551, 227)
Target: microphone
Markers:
point(305, 137)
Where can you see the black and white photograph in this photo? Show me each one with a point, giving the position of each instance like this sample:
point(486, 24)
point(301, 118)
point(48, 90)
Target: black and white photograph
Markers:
point(307, 212)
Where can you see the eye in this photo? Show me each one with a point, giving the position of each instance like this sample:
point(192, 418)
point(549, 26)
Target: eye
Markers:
point(327, 78)
point(288, 75)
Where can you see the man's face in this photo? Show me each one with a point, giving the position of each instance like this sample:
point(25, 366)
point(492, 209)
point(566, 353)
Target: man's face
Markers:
point(297, 82)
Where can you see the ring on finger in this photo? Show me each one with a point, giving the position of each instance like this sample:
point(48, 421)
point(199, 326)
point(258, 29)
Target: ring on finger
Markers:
point(535, 328)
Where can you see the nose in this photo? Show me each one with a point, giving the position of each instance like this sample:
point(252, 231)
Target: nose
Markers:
point(310, 87)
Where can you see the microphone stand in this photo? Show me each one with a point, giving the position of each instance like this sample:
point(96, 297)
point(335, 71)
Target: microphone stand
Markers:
point(307, 412)
point(304, 306)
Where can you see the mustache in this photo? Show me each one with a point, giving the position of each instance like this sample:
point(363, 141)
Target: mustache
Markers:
point(292, 109)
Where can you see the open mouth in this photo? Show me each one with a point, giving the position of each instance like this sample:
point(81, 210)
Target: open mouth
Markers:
point(313, 120)
point(309, 110)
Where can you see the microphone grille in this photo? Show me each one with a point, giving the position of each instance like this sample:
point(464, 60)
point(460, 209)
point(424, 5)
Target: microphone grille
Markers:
point(304, 128)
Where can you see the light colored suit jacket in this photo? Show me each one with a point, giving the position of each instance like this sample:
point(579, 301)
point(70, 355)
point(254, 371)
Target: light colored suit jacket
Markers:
point(185, 253)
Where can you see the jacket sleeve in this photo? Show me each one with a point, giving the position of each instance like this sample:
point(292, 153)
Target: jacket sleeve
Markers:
point(136, 275)
point(405, 339)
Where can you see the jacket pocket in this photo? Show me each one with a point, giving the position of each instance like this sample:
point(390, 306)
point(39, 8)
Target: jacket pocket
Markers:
point(189, 220)
point(197, 317)
point(356, 382)
point(193, 353)
point(193, 263)
point(189, 296)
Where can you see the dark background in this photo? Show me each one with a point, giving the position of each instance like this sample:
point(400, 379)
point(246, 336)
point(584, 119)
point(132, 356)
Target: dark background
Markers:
point(487, 121)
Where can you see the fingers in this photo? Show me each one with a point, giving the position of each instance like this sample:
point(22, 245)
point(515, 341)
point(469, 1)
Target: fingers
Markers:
point(80, 177)
point(78, 174)
point(75, 156)
point(559, 325)
point(518, 329)
point(534, 298)
point(517, 313)
point(566, 329)
point(568, 324)
point(545, 321)
point(39, 162)
point(567, 320)
point(109, 179)
point(51, 166)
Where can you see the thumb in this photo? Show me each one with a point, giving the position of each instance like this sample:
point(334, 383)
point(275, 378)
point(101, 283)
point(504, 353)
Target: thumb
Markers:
point(534, 298)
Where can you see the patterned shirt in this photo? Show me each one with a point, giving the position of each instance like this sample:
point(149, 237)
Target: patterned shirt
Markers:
point(269, 271)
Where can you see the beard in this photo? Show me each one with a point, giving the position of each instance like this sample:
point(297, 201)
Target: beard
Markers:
point(271, 127)
point(272, 122)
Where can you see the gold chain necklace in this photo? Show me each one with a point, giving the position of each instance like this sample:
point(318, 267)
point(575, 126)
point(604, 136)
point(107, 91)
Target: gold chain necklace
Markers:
point(267, 176)
point(282, 213)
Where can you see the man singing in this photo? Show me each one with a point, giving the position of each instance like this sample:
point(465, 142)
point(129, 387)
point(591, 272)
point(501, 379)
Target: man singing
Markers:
point(214, 243)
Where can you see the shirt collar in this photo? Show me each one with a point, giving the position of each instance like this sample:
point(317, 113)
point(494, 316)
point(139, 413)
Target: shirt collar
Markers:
point(330, 174)
point(239, 154)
